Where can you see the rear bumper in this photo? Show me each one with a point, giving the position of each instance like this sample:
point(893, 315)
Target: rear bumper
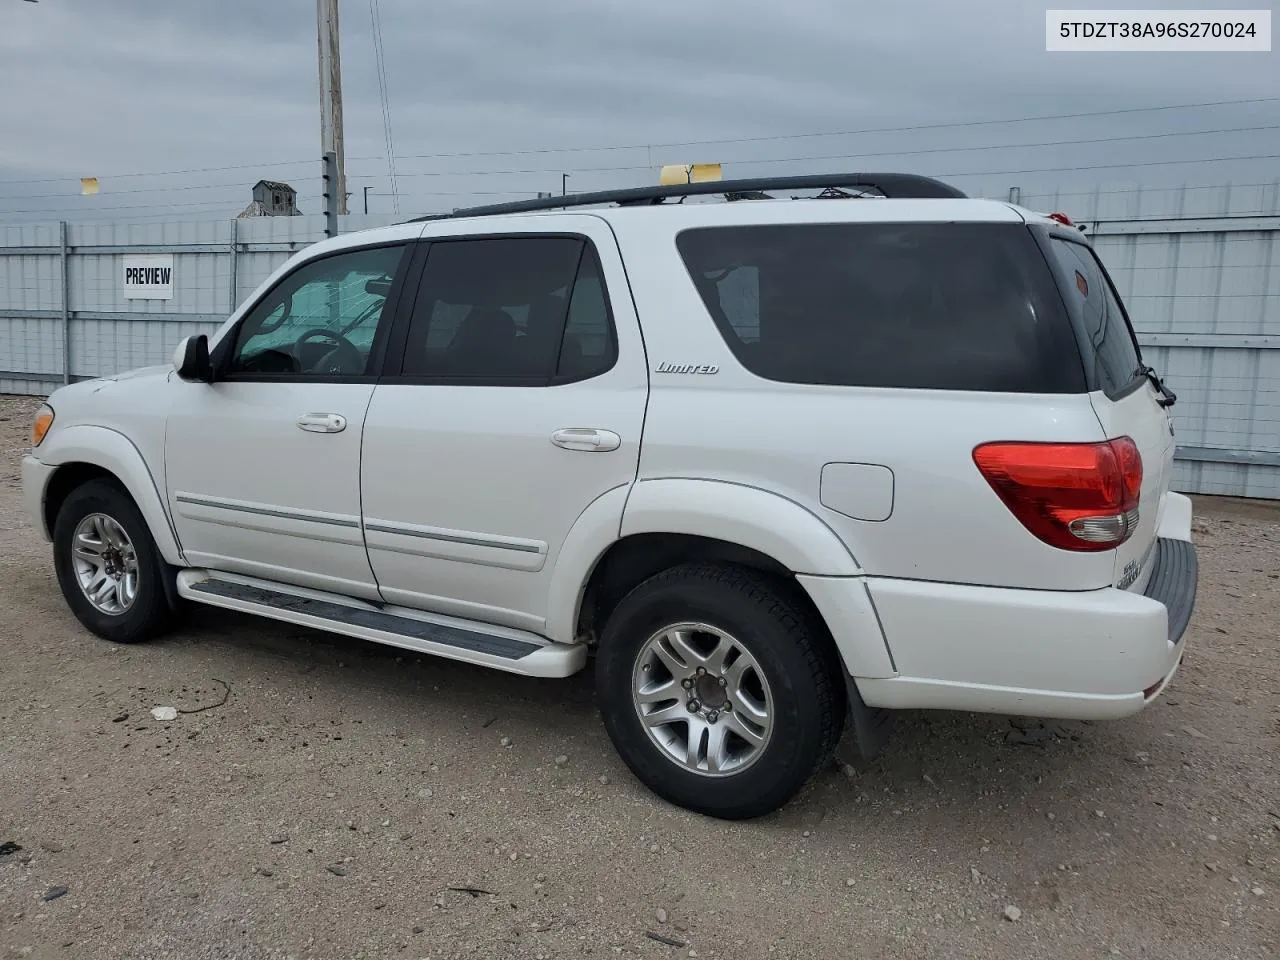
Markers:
point(1083, 655)
point(1175, 575)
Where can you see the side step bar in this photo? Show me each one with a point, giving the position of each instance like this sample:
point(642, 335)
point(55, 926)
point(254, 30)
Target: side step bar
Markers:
point(502, 648)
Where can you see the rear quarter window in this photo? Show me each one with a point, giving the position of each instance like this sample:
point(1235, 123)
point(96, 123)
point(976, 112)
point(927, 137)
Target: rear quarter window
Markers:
point(914, 305)
point(1110, 346)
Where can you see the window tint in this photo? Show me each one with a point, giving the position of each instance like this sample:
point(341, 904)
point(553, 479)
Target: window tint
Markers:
point(588, 348)
point(1087, 289)
point(524, 310)
point(321, 319)
point(917, 305)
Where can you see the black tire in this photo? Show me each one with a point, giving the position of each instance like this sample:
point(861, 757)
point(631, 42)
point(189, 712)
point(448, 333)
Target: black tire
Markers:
point(150, 614)
point(796, 658)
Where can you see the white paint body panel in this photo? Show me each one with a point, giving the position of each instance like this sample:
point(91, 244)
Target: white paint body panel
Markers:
point(1032, 652)
point(117, 424)
point(251, 492)
point(739, 513)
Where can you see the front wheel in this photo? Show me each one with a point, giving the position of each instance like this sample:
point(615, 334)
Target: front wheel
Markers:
point(717, 690)
point(107, 564)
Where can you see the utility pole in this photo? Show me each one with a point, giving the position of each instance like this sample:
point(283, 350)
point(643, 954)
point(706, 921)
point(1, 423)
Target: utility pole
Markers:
point(329, 193)
point(331, 97)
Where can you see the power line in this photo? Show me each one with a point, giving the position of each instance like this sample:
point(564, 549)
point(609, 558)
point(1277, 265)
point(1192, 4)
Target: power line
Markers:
point(170, 173)
point(210, 213)
point(850, 133)
point(214, 205)
point(1125, 190)
point(860, 155)
point(207, 205)
point(180, 188)
point(677, 143)
point(1106, 166)
point(1013, 146)
point(380, 62)
point(1052, 143)
point(614, 169)
point(132, 206)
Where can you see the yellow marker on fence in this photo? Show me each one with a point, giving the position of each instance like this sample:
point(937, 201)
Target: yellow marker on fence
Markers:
point(688, 173)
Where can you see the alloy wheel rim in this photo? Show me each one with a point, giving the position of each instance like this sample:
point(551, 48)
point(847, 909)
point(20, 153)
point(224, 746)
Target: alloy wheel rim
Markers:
point(702, 699)
point(105, 563)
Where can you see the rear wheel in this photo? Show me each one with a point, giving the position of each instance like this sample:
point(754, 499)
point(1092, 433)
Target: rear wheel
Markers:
point(107, 564)
point(717, 690)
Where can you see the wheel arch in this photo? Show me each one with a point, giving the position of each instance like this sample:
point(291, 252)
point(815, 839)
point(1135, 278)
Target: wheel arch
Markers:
point(79, 454)
point(626, 536)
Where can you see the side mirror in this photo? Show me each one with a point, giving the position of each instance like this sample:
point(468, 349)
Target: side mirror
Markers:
point(191, 359)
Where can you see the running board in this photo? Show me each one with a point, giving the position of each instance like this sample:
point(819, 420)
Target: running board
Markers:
point(502, 648)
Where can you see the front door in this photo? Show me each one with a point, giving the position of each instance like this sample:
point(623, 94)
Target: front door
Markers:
point(263, 465)
point(519, 402)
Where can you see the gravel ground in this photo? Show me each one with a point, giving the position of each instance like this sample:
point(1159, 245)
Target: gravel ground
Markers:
point(330, 807)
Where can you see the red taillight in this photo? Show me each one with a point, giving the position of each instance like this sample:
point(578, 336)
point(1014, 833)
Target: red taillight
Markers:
point(1077, 496)
point(1061, 218)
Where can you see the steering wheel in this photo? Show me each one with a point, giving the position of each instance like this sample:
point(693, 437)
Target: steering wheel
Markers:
point(345, 357)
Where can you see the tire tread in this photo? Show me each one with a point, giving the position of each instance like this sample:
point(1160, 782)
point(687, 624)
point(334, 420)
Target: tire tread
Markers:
point(769, 606)
point(151, 614)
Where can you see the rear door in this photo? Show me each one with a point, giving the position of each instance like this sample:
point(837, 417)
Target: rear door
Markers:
point(514, 399)
point(1125, 399)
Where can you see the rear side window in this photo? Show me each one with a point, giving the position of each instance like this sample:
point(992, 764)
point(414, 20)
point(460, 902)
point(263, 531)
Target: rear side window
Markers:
point(589, 347)
point(1087, 290)
point(914, 305)
point(515, 310)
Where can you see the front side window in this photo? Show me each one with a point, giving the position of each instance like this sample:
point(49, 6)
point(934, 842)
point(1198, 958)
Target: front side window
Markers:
point(521, 310)
point(321, 320)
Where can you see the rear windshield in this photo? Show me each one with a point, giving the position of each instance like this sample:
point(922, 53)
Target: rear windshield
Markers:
point(939, 306)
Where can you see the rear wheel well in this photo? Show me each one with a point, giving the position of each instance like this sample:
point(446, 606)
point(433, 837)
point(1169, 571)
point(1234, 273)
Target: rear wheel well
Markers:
point(634, 559)
point(67, 478)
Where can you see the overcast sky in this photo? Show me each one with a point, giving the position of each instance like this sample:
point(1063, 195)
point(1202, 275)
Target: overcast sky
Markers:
point(118, 88)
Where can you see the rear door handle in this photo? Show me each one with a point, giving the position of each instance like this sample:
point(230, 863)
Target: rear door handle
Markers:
point(322, 422)
point(588, 439)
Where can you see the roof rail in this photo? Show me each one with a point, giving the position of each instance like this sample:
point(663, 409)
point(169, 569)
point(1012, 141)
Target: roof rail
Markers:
point(892, 185)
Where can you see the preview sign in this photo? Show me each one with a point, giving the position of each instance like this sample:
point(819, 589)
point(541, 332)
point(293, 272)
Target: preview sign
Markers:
point(148, 278)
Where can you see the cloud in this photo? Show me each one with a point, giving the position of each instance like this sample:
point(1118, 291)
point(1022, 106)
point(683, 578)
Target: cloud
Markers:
point(133, 86)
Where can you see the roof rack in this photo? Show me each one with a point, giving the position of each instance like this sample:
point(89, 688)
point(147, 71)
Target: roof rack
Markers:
point(891, 185)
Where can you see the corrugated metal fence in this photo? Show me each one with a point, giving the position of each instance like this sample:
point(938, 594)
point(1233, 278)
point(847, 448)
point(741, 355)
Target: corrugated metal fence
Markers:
point(63, 312)
point(1199, 269)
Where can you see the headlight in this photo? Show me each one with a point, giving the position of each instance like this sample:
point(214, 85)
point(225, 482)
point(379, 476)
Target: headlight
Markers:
point(43, 421)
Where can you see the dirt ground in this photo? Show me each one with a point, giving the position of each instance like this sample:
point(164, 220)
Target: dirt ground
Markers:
point(330, 807)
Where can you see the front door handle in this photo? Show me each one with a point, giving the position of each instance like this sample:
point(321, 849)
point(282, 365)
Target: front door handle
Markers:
point(588, 439)
point(322, 422)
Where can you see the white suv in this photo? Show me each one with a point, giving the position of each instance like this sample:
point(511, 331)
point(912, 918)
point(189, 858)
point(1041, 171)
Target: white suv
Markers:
point(784, 465)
